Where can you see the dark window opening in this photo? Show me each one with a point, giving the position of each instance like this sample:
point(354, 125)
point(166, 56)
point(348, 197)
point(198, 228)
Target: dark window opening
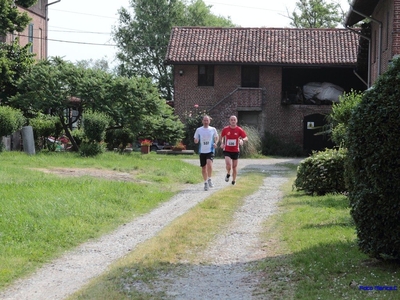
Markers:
point(206, 75)
point(250, 76)
point(298, 84)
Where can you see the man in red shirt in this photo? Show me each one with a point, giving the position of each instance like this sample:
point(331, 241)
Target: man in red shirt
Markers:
point(232, 137)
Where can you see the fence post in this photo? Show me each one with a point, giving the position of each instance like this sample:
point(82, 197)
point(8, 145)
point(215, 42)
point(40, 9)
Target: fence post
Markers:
point(28, 141)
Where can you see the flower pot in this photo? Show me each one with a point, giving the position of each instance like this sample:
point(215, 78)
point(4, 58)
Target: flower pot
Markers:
point(144, 149)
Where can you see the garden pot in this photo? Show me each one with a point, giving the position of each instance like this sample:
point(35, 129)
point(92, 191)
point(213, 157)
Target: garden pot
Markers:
point(145, 149)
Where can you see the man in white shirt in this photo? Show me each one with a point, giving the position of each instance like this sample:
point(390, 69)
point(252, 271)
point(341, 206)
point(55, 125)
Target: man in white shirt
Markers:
point(207, 138)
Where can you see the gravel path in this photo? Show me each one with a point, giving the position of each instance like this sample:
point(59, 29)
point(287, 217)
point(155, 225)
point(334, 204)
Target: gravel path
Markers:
point(222, 269)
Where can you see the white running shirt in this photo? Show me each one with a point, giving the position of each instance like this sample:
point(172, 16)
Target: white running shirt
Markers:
point(206, 138)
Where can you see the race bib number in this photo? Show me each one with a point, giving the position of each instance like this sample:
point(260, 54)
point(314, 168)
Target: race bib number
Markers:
point(231, 143)
point(206, 143)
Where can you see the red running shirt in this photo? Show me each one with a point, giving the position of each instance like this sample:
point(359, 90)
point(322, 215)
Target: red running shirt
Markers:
point(232, 136)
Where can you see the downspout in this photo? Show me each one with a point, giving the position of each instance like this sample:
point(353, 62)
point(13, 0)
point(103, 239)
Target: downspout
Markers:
point(369, 57)
point(47, 23)
point(379, 39)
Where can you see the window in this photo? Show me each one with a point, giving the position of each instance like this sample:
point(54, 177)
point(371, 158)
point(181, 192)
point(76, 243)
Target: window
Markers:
point(30, 37)
point(206, 75)
point(250, 76)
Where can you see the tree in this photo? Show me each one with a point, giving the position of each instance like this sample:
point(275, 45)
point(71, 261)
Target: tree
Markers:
point(14, 59)
point(14, 62)
point(11, 18)
point(316, 14)
point(137, 105)
point(55, 85)
point(99, 64)
point(142, 38)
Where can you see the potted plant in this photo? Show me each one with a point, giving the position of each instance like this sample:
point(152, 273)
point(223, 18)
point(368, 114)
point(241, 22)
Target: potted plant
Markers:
point(179, 147)
point(145, 146)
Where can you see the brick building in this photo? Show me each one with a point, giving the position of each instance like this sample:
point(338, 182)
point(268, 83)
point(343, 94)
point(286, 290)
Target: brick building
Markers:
point(259, 74)
point(384, 37)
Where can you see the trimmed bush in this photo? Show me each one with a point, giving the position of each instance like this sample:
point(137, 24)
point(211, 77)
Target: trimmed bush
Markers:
point(11, 120)
point(373, 167)
point(90, 149)
point(94, 126)
point(322, 173)
point(44, 126)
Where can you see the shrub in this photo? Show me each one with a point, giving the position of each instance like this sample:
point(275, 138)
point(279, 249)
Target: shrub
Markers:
point(322, 173)
point(253, 146)
point(340, 115)
point(78, 135)
point(90, 149)
point(119, 138)
point(272, 145)
point(373, 166)
point(11, 120)
point(94, 126)
point(44, 126)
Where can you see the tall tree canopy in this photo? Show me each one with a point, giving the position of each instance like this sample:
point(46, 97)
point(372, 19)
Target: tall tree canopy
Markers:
point(316, 14)
point(11, 18)
point(142, 36)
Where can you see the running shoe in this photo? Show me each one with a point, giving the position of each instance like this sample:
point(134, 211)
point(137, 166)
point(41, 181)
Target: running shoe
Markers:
point(205, 186)
point(233, 182)
point(210, 183)
point(227, 177)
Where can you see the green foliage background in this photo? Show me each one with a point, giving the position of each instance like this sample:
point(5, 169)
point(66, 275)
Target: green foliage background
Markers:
point(373, 166)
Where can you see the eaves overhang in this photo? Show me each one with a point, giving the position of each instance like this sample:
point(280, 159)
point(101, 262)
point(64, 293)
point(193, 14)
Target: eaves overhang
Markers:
point(358, 10)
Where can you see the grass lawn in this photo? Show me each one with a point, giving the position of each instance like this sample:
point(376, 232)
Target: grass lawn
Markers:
point(43, 214)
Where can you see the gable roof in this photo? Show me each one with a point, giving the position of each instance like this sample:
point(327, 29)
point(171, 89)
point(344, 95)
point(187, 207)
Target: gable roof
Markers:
point(268, 46)
point(366, 7)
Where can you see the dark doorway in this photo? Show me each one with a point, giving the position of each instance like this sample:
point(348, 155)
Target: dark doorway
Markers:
point(312, 125)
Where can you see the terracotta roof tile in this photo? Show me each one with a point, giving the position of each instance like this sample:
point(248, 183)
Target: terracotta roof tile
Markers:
point(273, 46)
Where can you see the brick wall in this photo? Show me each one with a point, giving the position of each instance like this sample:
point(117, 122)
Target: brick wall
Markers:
point(388, 13)
point(227, 98)
point(38, 19)
point(396, 28)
